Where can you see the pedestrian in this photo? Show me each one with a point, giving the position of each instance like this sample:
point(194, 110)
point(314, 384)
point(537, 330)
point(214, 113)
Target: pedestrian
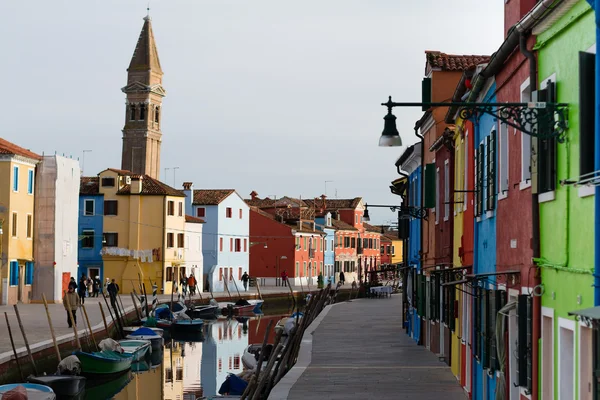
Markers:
point(96, 286)
point(342, 277)
point(82, 288)
point(183, 283)
point(73, 284)
point(245, 279)
point(284, 277)
point(74, 302)
point(89, 283)
point(106, 285)
point(113, 290)
point(192, 282)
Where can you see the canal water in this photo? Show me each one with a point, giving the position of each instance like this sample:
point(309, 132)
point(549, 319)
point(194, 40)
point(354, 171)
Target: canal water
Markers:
point(188, 368)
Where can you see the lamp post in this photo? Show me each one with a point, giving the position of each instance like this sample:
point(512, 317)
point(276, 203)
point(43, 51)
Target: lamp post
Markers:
point(278, 265)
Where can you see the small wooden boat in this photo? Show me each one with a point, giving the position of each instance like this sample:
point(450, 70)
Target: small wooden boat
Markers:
point(138, 349)
point(187, 325)
point(130, 329)
point(208, 311)
point(239, 307)
point(103, 362)
point(62, 385)
point(32, 391)
point(252, 353)
point(257, 305)
point(156, 341)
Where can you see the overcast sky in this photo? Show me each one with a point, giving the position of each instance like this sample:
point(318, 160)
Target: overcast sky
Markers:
point(275, 96)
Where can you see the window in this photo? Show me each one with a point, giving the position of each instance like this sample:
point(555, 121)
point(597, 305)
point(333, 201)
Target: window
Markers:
point(108, 182)
point(437, 195)
point(14, 225)
point(230, 244)
point(297, 268)
point(29, 273)
point(111, 207)
point(356, 218)
point(491, 171)
point(245, 245)
point(111, 240)
point(132, 112)
point(220, 244)
point(180, 240)
point(220, 274)
point(320, 268)
point(180, 211)
point(15, 178)
point(170, 239)
point(503, 159)
point(14, 273)
point(29, 226)
point(371, 243)
point(156, 115)
point(382, 250)
point(546, 147)
point(238, 245)
point(526, 139)
point(142, 112)
point(241, 213)
point(169, 274)
point(446, 190)
point(393, 250)
point(228, 213)
point(305, 245)
point(305, 271)
point(30, 181)
point(200, 212)
point(170, 207)
point(88, 207)
point(324, 245)
point(87, 239)
point(346, 241)
point(479, 180)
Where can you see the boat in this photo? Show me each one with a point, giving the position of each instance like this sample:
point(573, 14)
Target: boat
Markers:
point(288, 323)
point(130, 329)
point(103, 362)
point(164, 324)
point(138, 349)
point(32, 391)
point(156, 341)
point(187, 325)
point(252, 353)
point(239, 307)
point(164, 311)
point(257, 305)
point(205, 311)
point(62, 385)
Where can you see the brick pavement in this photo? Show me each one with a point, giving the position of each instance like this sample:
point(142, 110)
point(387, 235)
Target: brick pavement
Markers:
point(359, 351)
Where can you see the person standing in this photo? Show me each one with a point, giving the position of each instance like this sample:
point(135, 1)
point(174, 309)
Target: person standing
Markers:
point(73, 284)
point(73, 302)
point(113, 290)
point(192, 283)
point(96, 287)
point(82, 288)
point(245, 279)
point(342, 277)
point(284, 277)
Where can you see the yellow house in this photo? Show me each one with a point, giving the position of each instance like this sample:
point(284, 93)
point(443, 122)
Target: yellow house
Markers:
point(17, 179)
point(144, 231)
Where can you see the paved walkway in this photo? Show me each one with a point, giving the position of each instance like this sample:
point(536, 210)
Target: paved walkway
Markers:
point(37, 330)
point(358, 350)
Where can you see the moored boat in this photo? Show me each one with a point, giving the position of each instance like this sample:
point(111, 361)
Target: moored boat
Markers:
point(138, 349)
point(103, 362)
point(187, 325)
point(156, 341)
point(62, 385)
point(252, 353)
point(32, 391)
point(130, 329)
point(257, 305)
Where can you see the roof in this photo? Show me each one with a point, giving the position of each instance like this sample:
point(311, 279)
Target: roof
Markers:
point(7, 147)
point(210, 197)
point(592, 313)
point(151, 186)
point(263, 213)
point(342, 226)
point(145, 55)
point(89, 185)
point(338, 204)
point(407, 153)
point(307, 227)
point(194, 220)
point(453, 62)
point(119, 171)
point(372, 228)
point(391, 236)
point(283, 202)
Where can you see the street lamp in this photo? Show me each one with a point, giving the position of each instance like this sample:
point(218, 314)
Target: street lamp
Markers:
point(390, 136)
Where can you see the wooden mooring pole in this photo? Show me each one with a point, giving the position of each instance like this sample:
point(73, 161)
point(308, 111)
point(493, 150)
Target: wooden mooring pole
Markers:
point(12, 343)
point(51, 327)
point(25, 339)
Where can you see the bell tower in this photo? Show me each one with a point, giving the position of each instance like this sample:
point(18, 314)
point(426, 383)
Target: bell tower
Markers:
point(142, 136)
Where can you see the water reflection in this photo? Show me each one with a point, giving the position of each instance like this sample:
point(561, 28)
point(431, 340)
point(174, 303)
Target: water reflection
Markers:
point(191, 367)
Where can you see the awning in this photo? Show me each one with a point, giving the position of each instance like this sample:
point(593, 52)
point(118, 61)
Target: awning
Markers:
point(589, 314)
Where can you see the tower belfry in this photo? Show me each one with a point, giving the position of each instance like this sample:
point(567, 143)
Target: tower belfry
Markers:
point(142, 136)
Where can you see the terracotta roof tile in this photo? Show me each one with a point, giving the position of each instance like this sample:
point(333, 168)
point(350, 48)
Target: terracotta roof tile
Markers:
point(338, 204)
point(121, 171)
point(89, 185)
point(7, 147)
point(372, 228)
point(453, 62)
point(210, 197)
point(195, 220)
point(342, 226)
point(151, 186)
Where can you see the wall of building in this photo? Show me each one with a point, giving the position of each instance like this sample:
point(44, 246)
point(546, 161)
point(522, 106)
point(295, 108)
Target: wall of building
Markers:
point(90, 259)
point(193, 252)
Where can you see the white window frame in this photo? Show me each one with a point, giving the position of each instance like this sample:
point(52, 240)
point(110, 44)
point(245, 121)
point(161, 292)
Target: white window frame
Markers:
point(503, 161)
point(31, 172)
point(437, 196)
point(446, 190)
point(85, 201)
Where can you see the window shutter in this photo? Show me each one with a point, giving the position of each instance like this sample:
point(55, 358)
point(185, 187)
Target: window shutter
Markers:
point(587, 79)
point(14, 273)
point(422, 298)
point(430, 185)
point(484, 328)
point(491, 171)
point(529, 343)
point(494, 297)
point(477, 322)
point(480, 164)
point(29, 273)
point(546, 147)
point(522, 340)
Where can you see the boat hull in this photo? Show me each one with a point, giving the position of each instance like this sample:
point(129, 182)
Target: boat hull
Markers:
point(138, 349)
point(204, 312)
point(34, 391)
point(103, 362)
point(156, 342)
point(62, 385)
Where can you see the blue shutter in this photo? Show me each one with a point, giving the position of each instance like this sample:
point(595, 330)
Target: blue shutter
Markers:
point(14, 273)
point(29, 273)
point(30, 182)
point(16, 178)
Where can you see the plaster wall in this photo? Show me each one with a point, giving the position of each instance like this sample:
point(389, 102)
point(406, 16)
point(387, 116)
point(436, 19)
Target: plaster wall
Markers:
point(193, 251)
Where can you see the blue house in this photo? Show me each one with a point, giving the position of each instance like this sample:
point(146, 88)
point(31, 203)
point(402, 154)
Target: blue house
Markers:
point(225, 235)
point(90, 227)
point(324, 224)
point(410, 163)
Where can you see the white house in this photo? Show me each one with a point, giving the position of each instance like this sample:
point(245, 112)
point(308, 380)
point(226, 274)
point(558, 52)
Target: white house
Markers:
point(226, 234)
point(55, 226)
point(193, 249)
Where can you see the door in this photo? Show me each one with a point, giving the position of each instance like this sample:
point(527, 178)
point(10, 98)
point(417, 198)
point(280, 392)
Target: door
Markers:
point(93, 272)
point(566, 365)
point(547, 357)
point(21, 282)
point(585, 363)
point(513, 361)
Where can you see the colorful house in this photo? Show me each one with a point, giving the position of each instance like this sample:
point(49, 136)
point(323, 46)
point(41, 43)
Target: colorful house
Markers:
point(91, 228)
point(226, 234)
point(144, 231)
point(194, 261)
point(325, 224)
point(371, 253)
point(17, 194)
point(346, 253)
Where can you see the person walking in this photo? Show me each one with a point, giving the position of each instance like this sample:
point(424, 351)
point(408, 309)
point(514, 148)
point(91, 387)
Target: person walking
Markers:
point(89, 284)
point(74, 302)
point(284, 277)
point(183, 283)
point(192, 283)
point(342, 277)
point(245, 279)
point(82, 288)
point(113, 290)
point(96, 286)
point(73, 284)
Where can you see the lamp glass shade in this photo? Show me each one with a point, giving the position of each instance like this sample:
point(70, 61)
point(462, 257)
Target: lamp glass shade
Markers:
point(390, 141)
point(366, 216)
point(390, 136)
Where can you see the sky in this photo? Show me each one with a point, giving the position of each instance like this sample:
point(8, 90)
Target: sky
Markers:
point(280, 97)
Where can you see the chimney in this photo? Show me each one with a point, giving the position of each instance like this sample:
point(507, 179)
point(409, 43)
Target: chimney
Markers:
point(253, 195)
point(188, 189)
point(136, 184)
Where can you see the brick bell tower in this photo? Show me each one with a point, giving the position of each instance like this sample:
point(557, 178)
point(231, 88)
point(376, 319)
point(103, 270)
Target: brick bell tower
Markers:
point(142, 136)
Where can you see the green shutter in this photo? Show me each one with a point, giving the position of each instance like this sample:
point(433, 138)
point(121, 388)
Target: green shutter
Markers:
point(430, 185)
point(546, 147)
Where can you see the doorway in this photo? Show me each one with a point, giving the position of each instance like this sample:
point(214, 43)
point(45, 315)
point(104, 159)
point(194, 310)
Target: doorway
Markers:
point(93, 272)
point(547, 354)
point(566, 344)
point(585, 363)
point(21, 283)
point(513, 360)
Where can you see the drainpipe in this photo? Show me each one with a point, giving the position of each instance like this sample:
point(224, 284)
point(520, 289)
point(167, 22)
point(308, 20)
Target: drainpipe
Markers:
point(535, 230)
point(597, 165)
